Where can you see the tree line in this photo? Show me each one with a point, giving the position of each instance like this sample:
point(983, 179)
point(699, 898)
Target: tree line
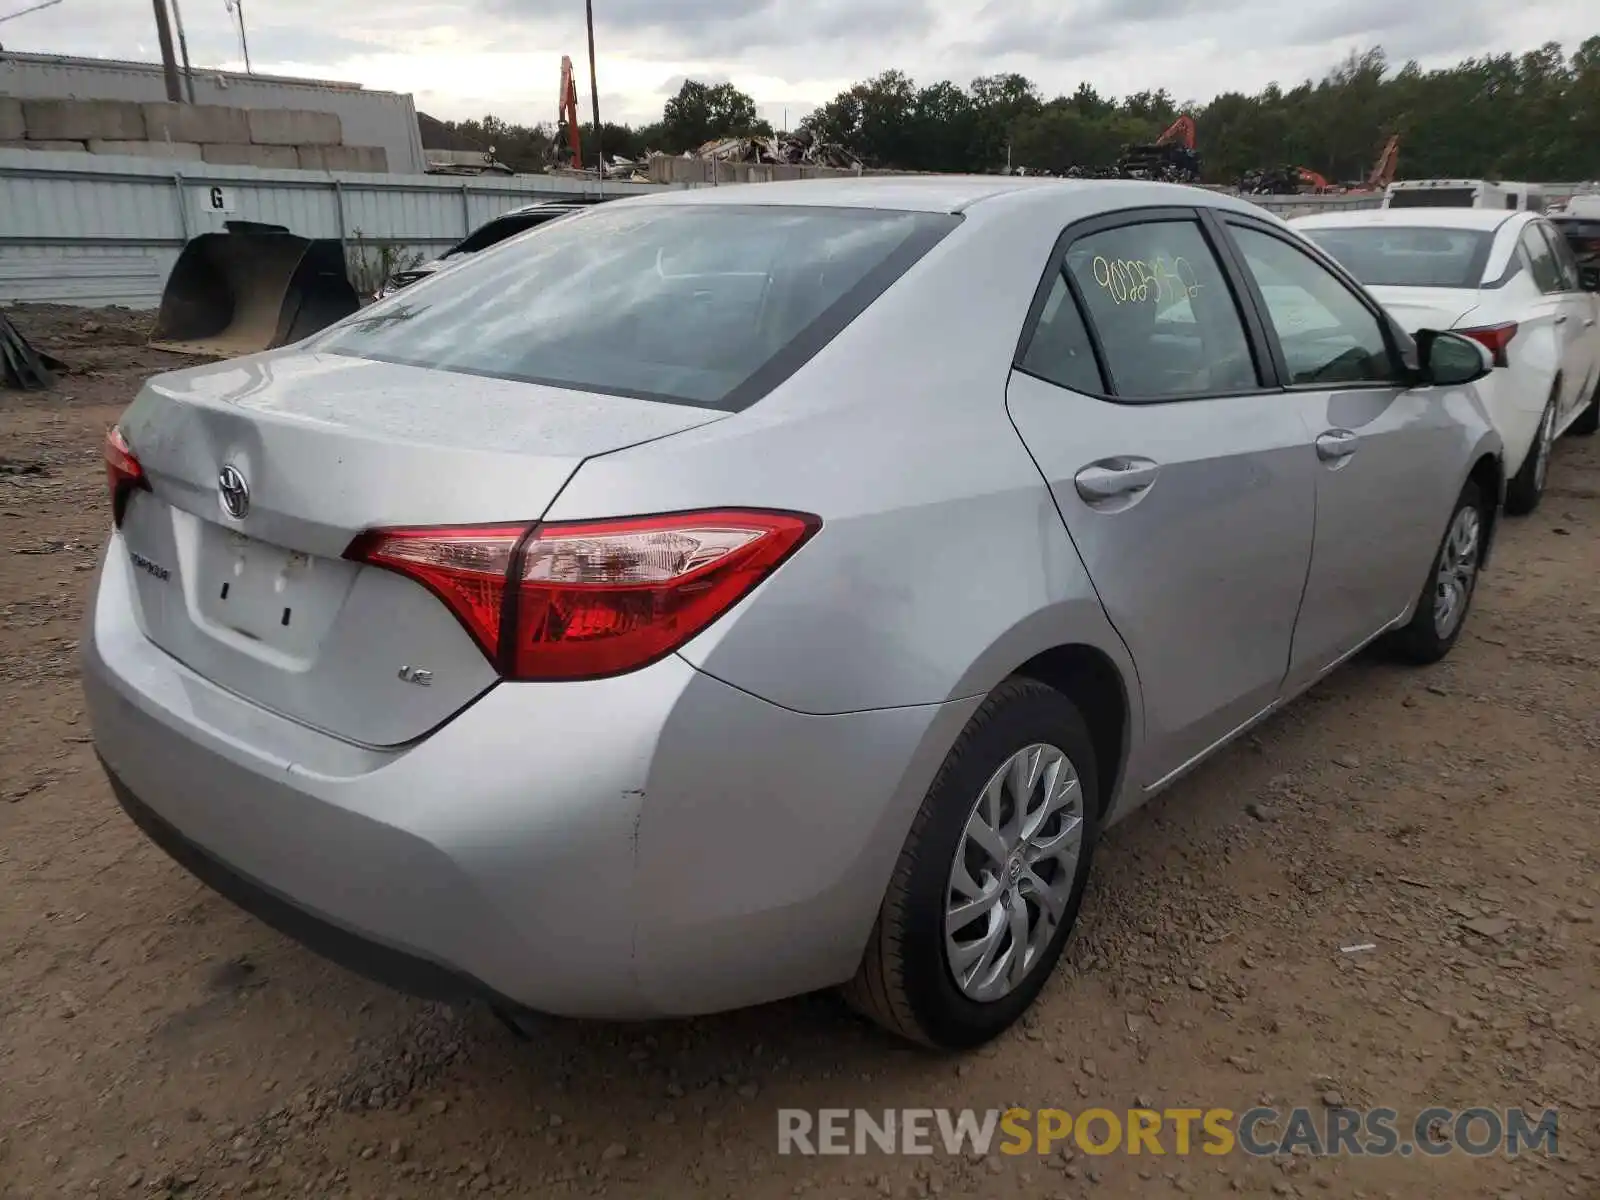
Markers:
point(1508, 116)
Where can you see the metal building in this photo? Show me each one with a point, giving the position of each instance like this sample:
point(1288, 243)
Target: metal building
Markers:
point(369, 118)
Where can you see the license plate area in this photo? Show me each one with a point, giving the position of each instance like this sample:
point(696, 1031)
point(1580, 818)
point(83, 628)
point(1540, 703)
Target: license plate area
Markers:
point(281, 600)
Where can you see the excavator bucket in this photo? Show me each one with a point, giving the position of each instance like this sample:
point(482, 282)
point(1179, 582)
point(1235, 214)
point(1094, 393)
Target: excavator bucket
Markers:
point(252, 288)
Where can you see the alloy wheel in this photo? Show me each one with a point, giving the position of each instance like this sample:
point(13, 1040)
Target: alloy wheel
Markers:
point(1541, 464)
point(1458, 569)
point(1013, 872)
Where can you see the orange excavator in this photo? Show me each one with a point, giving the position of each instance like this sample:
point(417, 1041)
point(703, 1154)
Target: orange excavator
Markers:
point(1313, 180)
point(567, 112)
point(1181, 131)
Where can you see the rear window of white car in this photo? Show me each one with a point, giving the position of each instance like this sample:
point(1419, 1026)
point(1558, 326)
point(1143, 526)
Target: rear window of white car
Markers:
point(1409, 255)
point(711, 305)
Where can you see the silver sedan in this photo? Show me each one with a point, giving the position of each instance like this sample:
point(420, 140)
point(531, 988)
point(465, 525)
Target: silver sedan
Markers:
point(720, 595)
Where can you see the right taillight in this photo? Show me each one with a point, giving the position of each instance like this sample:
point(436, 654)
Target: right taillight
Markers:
point(1495, 337)
point(586, 599)
point(124, 475)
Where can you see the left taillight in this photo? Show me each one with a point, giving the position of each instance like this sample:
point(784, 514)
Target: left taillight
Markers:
point(124, 475)
point(588, 599)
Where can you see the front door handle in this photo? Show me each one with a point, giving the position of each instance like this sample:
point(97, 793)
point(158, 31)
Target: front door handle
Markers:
point(1588, 322)
point(1562, 319)
point(1113, 477)
point(1336, 444)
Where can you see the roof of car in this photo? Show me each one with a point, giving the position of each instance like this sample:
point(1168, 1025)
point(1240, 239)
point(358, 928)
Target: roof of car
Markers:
point(1487, 219)
point(936, 193)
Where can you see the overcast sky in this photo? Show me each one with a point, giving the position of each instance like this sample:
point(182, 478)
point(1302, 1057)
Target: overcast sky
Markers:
point(464, 58)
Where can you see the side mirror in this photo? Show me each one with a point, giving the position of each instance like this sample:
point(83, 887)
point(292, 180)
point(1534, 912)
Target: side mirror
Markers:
point(1450, 360)
point(1589, 278)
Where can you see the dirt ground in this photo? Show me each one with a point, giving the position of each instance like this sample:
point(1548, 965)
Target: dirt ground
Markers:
point(153, 1039)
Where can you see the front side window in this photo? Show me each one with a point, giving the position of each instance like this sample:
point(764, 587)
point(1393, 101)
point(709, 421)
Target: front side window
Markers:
point(1166, 318)
point(1542, 263)
point(692, 303)
point(1328, 335)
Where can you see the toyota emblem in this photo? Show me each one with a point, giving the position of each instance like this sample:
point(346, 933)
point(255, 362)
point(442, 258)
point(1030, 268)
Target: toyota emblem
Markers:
point(233, 492)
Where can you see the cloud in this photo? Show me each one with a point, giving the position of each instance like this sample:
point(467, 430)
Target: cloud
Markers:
point(1403, 31)
point(468, 57)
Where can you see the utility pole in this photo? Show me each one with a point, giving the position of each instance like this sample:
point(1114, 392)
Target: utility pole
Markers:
point(594, 88)
point(236, 7)
point(169, 64)
point(183, 49)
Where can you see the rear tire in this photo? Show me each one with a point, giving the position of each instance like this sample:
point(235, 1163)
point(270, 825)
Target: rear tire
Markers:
point(1018, 753)
point(1589, 419)
point(1446, 597)
point(1526, 488)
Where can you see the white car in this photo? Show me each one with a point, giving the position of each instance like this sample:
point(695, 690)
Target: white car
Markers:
point(1510, 281)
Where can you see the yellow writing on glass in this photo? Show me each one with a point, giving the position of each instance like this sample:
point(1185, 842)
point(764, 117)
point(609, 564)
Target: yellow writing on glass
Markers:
point(1160, 280)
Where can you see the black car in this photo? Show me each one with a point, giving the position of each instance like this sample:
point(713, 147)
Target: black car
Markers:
point(490, 233)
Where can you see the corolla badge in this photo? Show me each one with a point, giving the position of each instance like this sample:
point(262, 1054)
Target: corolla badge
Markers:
point(233, 492)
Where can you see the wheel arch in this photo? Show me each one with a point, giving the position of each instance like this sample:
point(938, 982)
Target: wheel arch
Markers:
point(1488, 472)
point(1094, 683)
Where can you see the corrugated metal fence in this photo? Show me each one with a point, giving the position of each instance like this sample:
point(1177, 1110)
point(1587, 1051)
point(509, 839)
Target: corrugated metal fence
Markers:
point(88, 229)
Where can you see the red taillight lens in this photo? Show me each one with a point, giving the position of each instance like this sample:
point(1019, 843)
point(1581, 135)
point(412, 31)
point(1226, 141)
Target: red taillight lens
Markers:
point(591, 598)
point(124, 475)
point(1495, 337)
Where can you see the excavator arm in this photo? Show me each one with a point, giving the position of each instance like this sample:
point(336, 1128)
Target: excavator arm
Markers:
point(567, 112)
point(1383, 171)
point(1181, 131)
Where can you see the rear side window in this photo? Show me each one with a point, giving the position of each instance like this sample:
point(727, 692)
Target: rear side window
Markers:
point(1162, 309)
point(1059, 351)
point(1542, 262)
point(1566, 261)
point(711, 305)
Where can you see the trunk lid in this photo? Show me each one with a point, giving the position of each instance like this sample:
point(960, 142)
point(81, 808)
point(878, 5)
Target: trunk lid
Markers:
point(1426, 307)
point(260, 600)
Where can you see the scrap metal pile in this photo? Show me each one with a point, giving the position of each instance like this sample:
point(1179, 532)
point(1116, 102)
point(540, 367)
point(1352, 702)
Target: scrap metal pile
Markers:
point(1171, 158)
point(1165, 164)
point(792, 149)
point(1275, 181)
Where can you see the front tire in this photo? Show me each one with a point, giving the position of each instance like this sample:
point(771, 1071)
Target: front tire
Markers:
point(1441, 611)
point(1589, 419)
point(988, 885)
point(1526, 488)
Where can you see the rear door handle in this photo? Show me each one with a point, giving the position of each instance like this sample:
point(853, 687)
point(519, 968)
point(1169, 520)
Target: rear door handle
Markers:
point(1336, 444)
point(1588, 322)
point(1562, 319)
point(1113, 477)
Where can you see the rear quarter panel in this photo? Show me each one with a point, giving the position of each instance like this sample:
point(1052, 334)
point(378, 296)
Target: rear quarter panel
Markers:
point(942, 564)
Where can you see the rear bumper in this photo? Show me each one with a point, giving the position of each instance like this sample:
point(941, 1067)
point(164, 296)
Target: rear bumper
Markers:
point(652, 845)
point(384, 964)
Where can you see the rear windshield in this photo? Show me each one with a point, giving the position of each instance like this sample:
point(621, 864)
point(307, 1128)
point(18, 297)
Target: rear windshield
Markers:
point(1432, 198)
point(1408, 256)
point(711, 305)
